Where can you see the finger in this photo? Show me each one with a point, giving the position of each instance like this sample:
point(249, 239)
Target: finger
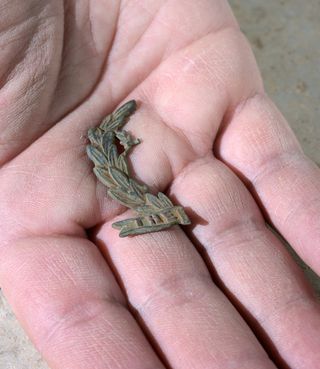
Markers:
point(258, 143)
point(252, 265)
point(69, 303)
point(171, 291)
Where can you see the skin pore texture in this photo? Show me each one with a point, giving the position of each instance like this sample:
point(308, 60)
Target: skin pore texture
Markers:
point(220, 293)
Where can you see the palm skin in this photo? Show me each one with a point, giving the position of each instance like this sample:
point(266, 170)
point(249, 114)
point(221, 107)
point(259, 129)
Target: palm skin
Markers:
point(222, 293)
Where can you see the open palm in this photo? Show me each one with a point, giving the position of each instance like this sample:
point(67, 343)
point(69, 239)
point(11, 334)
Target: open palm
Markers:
point(221, 293)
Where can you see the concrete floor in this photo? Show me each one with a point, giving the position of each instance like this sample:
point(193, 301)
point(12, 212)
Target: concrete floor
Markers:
point(285, 37)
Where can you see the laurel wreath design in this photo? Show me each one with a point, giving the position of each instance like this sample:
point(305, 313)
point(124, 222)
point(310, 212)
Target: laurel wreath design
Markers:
point(111, 168)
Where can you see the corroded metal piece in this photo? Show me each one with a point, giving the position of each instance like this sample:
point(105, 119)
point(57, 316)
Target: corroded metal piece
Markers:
point(111, 168)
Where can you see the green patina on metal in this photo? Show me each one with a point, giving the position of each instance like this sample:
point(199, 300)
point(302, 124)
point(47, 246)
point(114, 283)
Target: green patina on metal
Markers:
point(111, 168)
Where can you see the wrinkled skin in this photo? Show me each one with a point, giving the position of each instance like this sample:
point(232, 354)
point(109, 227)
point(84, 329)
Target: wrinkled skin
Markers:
point(222, 293)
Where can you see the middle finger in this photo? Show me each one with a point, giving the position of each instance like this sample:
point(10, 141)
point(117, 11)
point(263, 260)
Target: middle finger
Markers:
point(170, 290)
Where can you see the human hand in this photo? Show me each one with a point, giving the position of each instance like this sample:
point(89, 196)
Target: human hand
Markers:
point(210, 137)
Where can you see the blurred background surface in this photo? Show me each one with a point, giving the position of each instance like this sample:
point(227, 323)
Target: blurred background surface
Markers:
point(285, 38)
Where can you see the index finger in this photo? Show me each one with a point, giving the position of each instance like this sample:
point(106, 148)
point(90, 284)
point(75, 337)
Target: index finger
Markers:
point(259, 144)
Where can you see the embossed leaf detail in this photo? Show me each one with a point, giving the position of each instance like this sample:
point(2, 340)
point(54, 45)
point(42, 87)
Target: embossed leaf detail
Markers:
point(96, 156)
point(165, 200)
point(124, 198)
point(103, 176)
point(140, 190)
point(112, 155)
point(111, 168)
point(153, 201)
point(122, 165)
point(121, 179)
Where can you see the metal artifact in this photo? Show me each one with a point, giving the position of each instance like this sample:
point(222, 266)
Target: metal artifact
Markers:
point(111, 168)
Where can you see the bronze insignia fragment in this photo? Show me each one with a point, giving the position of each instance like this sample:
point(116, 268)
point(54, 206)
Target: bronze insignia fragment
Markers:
point(111, 169)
